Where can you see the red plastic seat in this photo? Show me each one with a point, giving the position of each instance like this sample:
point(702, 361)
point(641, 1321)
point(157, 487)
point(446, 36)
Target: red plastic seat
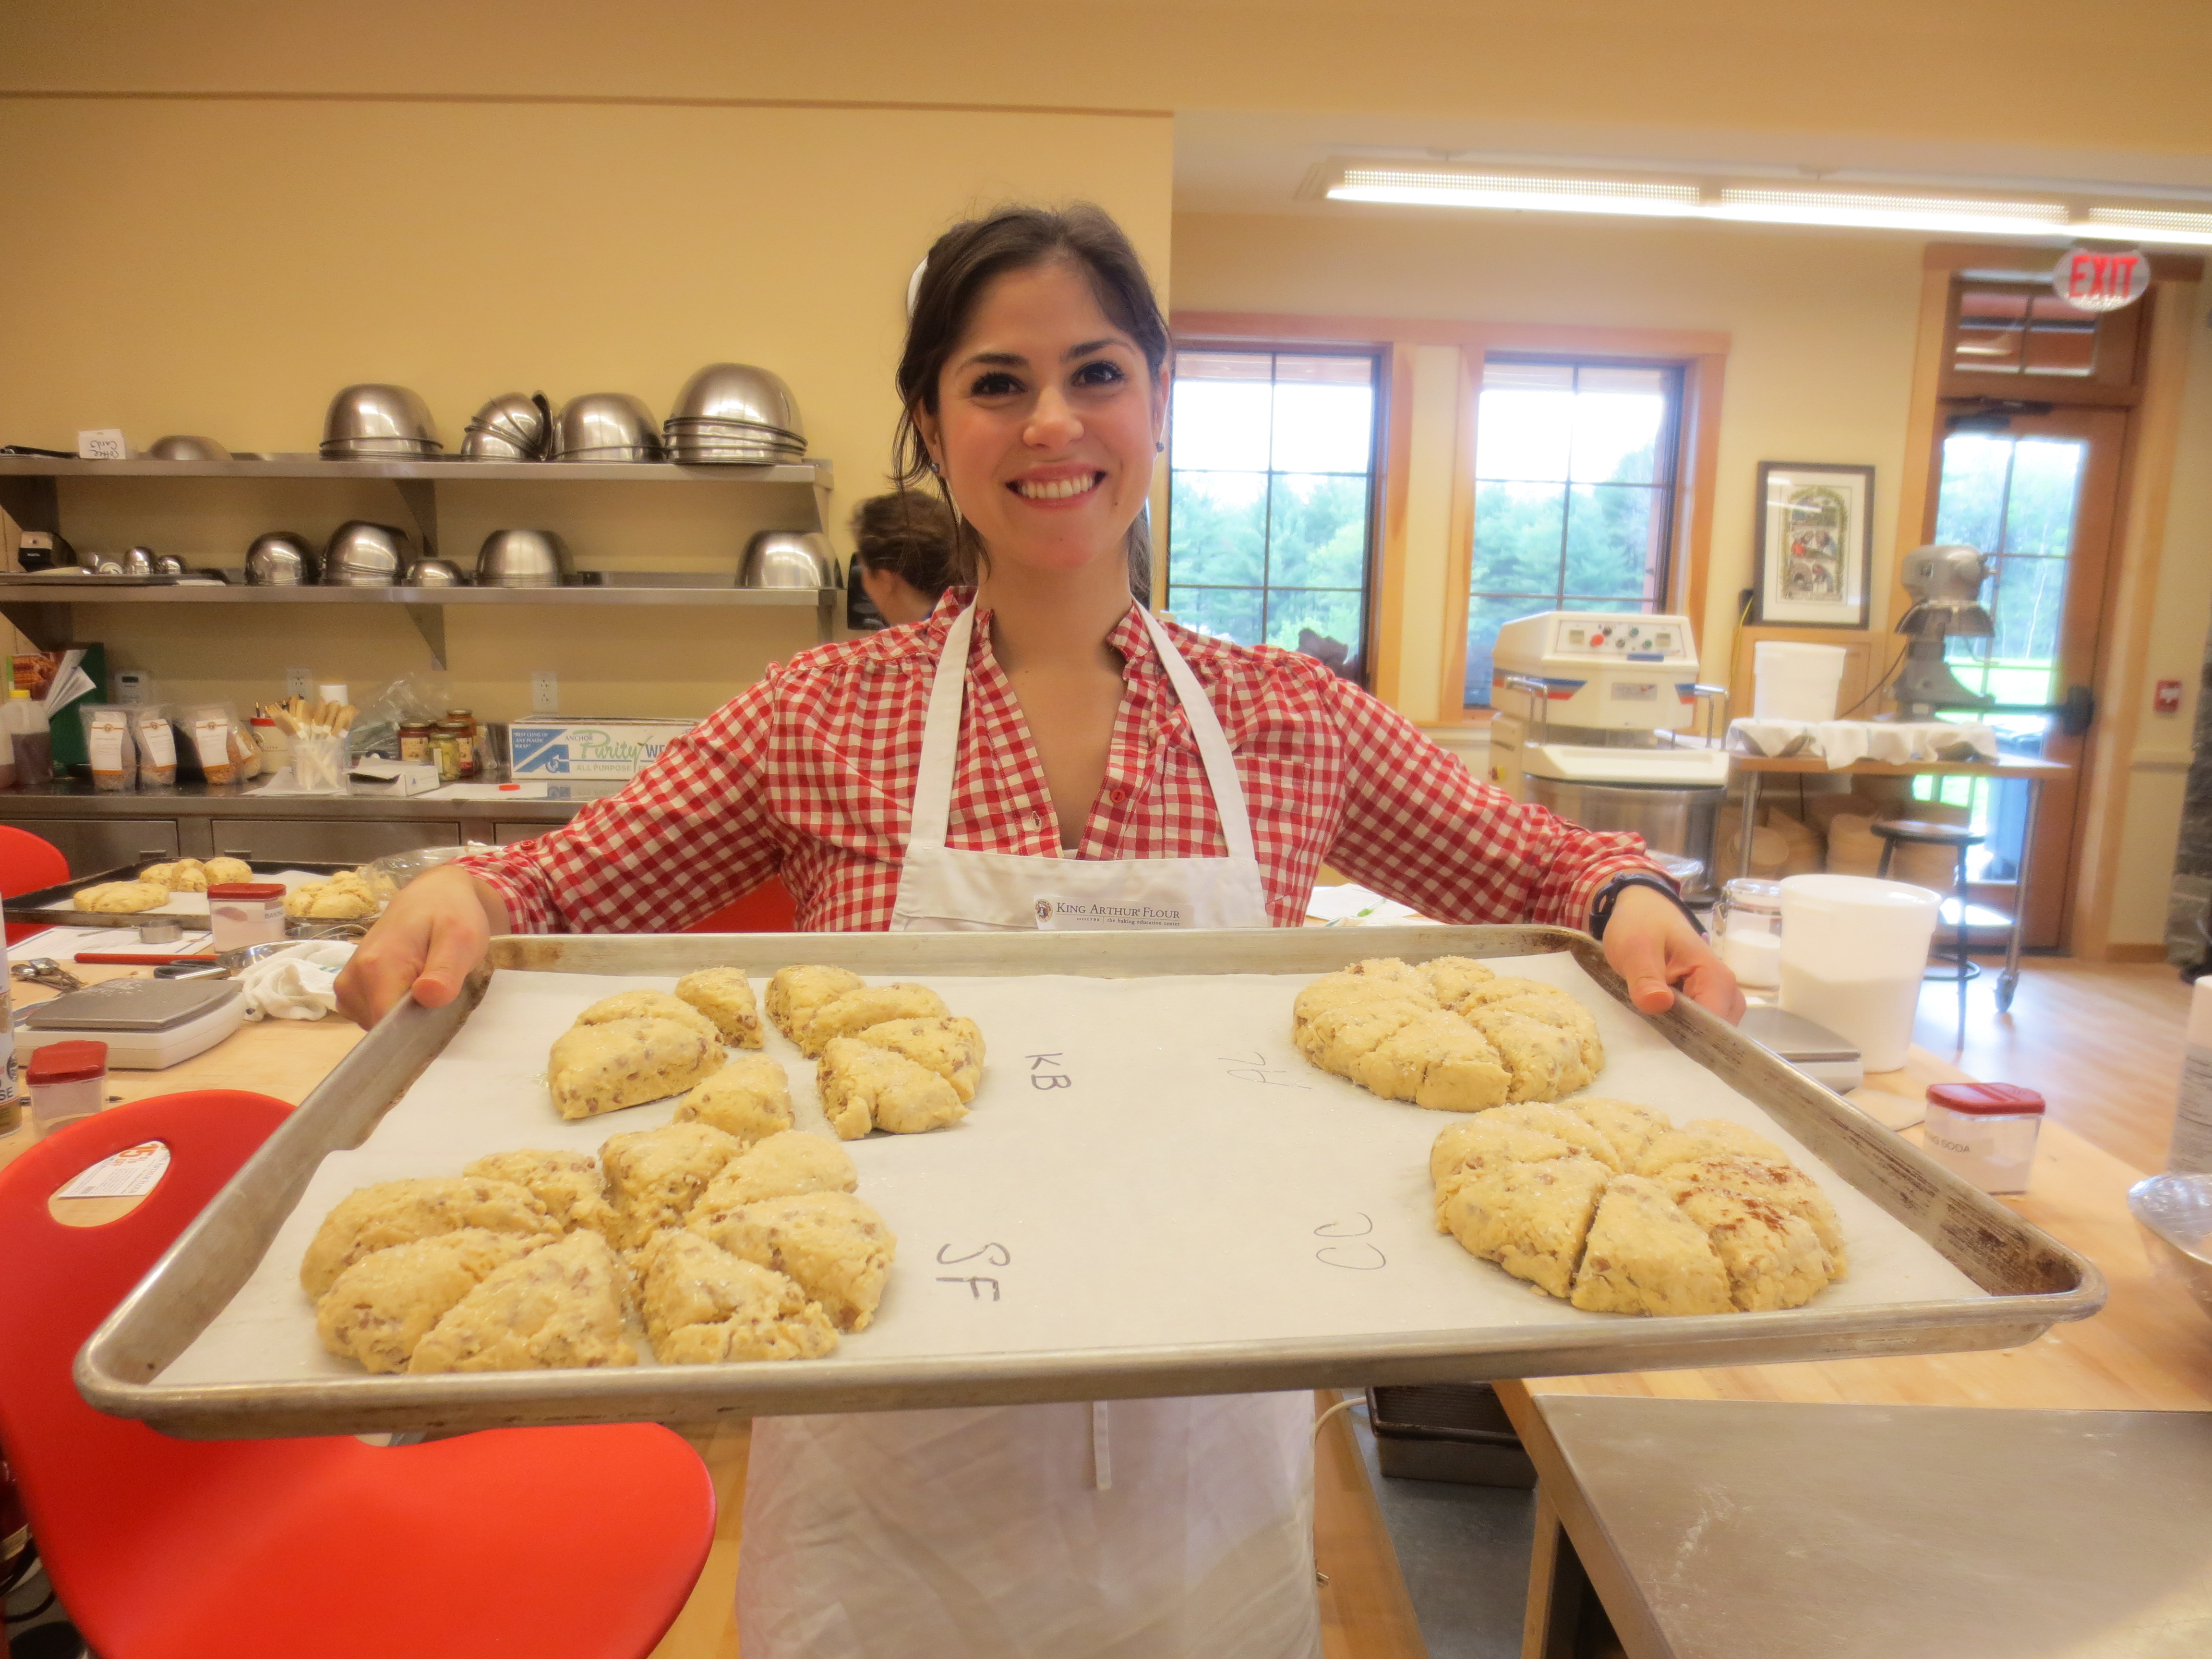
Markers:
point(768, 908)
point(27, 863)
point(559, 1543)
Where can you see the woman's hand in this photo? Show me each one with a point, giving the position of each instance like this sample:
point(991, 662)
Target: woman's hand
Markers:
point(1652, 945)
point(428, 939)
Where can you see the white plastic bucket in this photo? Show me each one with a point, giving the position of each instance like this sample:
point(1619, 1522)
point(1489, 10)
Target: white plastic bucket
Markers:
point(1795, 681)
point(1853, 950)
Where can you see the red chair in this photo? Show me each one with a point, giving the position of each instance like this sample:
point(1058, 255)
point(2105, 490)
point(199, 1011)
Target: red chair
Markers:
point(563, 1543)
point(27, 863)
point(768, 908)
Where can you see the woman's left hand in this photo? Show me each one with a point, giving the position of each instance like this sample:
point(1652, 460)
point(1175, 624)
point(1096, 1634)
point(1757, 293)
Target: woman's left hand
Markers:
point(1652, 945)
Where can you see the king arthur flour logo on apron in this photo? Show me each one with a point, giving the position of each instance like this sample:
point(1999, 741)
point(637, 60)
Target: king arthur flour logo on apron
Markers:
point(1055, 913)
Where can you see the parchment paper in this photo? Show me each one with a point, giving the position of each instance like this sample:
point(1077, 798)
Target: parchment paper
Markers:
point(1147, 1161)
point(181, 903)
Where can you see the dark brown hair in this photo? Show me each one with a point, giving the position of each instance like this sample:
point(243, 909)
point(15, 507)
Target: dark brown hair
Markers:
point(964, 262)
point(907, 534)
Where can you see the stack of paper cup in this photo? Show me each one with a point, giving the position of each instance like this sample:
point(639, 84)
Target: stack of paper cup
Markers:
point(1853, 950)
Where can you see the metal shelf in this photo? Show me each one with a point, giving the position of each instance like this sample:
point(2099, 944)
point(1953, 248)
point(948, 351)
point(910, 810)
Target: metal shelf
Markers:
point(812, 474)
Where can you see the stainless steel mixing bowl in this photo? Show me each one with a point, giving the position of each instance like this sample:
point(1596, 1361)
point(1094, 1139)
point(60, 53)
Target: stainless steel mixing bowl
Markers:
point(372, 419)
point(739, 392)
point(281, 559)
point(790, 558)
point(183, 446)
point(607, 426)
point(523, 558)
point(364, 554)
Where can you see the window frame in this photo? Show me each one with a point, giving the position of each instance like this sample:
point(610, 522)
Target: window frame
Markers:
point(1378, 453)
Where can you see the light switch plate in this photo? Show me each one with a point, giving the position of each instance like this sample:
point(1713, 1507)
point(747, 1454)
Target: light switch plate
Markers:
point(544, 692)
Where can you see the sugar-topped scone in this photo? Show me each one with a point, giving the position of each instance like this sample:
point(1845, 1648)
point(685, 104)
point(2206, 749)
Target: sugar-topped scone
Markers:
point(383, 1304)
point(121, 897)
point(1336, 1034)
point(1704, 1137)
point(224, 871)
point(783, 1166)
point(1630, 1128)
point(1571, 1126)
point(563, 1305)
point(1389, 970)
point(748, 1098)
point(1544, 1061)
point(182, 876)
point(865, 1087)
point(1555, 1007)
point(569, 1184)
point(376, 1218)
point(952, 1047)
point(1783, 1185)
point(1334, 991)
point(1530, 1218)
point(838, 1249)
point(655, 1175)
point(1435, 1060)
point(700, 1305)
point(872, 1004)
point(1645, 1257)
point(626, 1062)
point(794, 994)
point(1504, 1136)
point(725, 995)
point(1774, 1260)
point(1500, 988)
point(649, 1004)
point(1450, 978)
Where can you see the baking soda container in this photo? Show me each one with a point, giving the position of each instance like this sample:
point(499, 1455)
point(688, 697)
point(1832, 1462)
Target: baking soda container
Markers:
point(246, 912)
point(2190, 1151)
point(1795, 681)
point(1853, 950)
point(1983, 1132)
point(1749, 923)
point(68, 1081)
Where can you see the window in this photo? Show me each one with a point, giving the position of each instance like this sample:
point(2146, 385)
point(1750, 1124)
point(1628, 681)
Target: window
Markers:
point(1574, 495)
point(1272, 500)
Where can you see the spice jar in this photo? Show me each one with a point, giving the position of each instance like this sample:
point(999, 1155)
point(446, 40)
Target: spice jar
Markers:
point(446, 750)
point(463, 725)
point(415, 741)
point(1749, 923)
point(1985, 1131)
point(246, 912)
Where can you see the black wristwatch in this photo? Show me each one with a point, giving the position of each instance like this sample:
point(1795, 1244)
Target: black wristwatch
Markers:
point(1608, 895)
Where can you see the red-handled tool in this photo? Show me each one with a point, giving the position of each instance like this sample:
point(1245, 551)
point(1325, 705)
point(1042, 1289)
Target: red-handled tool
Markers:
point(139, 958)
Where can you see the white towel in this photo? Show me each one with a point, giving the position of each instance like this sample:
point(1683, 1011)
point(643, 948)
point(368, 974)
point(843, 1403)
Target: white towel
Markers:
point(299, 983)
point(1842, 742)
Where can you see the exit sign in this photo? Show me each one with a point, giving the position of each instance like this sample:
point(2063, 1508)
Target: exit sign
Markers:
point(2101, 279)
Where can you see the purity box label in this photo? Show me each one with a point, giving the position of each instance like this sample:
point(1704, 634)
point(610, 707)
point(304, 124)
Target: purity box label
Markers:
point(589, 749)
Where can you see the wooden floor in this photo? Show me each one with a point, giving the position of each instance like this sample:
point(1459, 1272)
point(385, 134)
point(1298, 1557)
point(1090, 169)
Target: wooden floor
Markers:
point(2101, 1041)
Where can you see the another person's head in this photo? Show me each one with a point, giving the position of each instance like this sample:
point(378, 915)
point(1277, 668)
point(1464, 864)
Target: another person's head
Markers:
point(904, 540)
point(1034, 387)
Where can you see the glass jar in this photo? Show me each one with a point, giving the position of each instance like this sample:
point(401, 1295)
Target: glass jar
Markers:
point(246, 913)
point(1747, 923)
point(463, 726)
point(415, 741)
point(446, 750)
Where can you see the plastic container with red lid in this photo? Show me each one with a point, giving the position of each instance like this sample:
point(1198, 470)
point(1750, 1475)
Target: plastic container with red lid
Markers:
point(68, 1081)
point(1985, 1131)
point(244, 913)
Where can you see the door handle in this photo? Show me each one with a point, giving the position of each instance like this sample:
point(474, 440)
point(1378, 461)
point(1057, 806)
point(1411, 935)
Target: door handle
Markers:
point(2077, 710)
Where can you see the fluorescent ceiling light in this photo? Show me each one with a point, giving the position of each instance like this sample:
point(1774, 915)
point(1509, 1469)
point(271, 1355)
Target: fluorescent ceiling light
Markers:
point(1475, 189)
point(1888, 212)
point(2151, 225)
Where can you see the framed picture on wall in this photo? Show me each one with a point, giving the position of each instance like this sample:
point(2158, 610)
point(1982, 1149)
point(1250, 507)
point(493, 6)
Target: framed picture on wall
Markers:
point(1815, 556)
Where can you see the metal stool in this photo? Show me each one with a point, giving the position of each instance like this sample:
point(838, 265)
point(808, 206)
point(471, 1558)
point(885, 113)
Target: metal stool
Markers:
point(1955, 964)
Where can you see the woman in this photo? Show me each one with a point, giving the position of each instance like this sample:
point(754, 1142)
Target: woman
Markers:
point(1039, 744)
point(904, 542)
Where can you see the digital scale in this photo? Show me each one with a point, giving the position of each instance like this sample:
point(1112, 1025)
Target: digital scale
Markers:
point(146, 1024)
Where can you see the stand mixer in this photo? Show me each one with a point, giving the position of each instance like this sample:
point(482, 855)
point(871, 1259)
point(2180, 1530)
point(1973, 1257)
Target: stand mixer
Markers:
point(1945, 585)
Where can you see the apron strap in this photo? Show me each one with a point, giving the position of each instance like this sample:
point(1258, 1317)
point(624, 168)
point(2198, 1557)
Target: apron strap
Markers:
point(1212, 744)
point(941, 736)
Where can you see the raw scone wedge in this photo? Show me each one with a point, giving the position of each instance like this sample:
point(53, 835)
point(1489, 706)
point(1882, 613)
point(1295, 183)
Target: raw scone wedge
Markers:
point(1645, 1257)
point(1352, 990)
point(1434, 1060)
point(872, 1004)
point(376, 1218)
point(649, 1004)
point(1782, 1185)
point(383, 1306)
point(702, 1305)
point(725, 995)
point(838, 1249)
point(783, 1166)
point(952, 1047)
point(794, 994)
point(1705, 1137)
point(1630, 1128)
point(569, 1184)
point(748, 1098)
point(1530, 1218)
point(865, 1087)
point(1450, 979)
point(655, 1175)
point(627, 1062)
point(1544, 1062)
point(563, 1305)
point(1773, 1259)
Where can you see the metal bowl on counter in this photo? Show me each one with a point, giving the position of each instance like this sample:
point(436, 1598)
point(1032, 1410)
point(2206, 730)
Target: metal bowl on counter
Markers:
point(790, 558)
point(281, 559)
point(606, 426)
point(435, 572)
point(512, 426)
point(371, 419)
point(2175, 1213)
point(523, 558)
point(183, 446)
point(741, 393)
point(364, 554)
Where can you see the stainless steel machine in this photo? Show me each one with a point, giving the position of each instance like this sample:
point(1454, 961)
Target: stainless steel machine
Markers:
point(1581, 698)
point(1945, 585)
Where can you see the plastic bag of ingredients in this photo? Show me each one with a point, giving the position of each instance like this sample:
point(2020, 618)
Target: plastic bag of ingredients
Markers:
point(110, 747)
point(400, 868)
point(244, 749)
point(208, 728)
point(410, 700)
point(157, 745)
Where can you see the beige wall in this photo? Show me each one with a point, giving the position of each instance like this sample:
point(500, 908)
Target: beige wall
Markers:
point(222, 267)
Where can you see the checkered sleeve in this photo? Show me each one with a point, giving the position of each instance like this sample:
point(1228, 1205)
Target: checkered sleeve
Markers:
point(691, 833)
point(1417, 828)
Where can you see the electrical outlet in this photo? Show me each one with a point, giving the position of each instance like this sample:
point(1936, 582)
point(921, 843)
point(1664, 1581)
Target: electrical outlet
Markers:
point(544, 692)
point(299, 683)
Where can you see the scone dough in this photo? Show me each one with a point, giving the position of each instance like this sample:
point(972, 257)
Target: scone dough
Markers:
point(1434, 1060)
point(122, 897)
point(223, 870)
point(563, 1305)
point(383, 1304)
point(794, 994)
point(700, 1305)
point(391, 1212)
point(626, 1062)
point(1645, 1257)
point(1530, 1218)
point(725, 995)
point(872, 1004)
point(655, 1175)
point(838, 1249)
point(184, 875)
point(1773, 1259)
point(649, 1004)
point(1630, 1128)
point(783, 1166)
point(1782, 1185)
point(952, 1047)
point(864, 1087)
point(1704, 1137)
point(568, 1184)
point(748, 1098)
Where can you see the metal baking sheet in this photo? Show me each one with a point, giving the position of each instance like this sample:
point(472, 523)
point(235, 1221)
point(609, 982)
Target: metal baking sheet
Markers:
point(1195, 1212)
point(57, 904)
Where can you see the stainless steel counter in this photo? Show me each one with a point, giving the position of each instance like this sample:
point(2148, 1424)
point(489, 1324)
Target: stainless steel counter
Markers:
point(1745, 1530)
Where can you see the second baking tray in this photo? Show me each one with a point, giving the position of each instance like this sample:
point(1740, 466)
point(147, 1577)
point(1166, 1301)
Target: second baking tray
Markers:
point(1978, 1277)
point(56, 905)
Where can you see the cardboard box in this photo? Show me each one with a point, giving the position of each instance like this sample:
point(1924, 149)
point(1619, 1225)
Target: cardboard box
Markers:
point(615, 748)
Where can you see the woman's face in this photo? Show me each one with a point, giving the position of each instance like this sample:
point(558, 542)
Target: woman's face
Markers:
point(1047, 423)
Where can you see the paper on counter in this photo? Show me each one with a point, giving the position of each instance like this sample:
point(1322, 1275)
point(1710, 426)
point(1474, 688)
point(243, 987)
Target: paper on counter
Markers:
point(1148, 1162)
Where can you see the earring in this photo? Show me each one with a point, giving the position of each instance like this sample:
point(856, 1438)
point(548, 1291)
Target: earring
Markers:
point(1160, 446)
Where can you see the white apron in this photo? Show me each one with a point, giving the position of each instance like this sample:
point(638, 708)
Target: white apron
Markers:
point(1129, 1530)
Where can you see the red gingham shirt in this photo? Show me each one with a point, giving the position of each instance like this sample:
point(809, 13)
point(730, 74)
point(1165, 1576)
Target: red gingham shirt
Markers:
point(809, 775)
